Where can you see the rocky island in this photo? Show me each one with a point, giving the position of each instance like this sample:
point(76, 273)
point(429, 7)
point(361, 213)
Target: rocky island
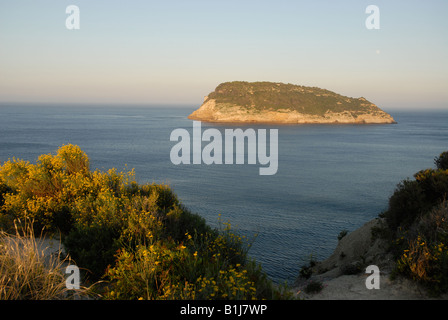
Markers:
point(269, 102)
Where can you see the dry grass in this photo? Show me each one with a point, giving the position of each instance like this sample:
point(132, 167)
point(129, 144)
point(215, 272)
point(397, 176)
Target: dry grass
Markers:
point(28, 271)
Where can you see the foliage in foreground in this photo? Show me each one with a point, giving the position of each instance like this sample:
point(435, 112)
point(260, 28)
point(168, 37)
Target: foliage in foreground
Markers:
point(138, 238)
point(417, 226)
point(27, 271)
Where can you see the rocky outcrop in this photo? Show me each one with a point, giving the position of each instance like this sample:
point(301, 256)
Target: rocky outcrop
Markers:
point(221, 110)
point(343, 275)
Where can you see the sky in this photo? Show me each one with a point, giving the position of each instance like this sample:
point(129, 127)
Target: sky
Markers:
point(176, 52)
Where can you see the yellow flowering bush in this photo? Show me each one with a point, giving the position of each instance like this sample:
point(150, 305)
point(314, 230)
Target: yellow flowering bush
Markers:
point(138, 237)
point(164, 270)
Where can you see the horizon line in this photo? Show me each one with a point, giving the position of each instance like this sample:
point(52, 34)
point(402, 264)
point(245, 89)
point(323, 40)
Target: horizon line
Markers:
point(170, 104)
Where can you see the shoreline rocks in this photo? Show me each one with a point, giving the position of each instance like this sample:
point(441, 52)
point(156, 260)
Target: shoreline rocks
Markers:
point(342, 275)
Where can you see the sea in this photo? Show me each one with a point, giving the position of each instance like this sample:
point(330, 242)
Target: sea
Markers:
point(330, 178)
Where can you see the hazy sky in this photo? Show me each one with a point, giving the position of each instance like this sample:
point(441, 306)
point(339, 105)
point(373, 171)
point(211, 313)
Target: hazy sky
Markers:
point(176, 52)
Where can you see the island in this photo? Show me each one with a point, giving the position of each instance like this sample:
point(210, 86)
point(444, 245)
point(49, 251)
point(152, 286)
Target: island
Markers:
point(270, 102)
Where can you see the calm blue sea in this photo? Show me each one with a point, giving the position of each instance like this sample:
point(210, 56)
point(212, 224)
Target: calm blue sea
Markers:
point(330, 177)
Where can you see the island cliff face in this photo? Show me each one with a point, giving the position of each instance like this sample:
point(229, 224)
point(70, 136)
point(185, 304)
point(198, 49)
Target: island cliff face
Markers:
point(268, 102)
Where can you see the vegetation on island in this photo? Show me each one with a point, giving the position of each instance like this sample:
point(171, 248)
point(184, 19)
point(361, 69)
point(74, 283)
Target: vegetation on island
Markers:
point(262, 96)
point(135, 241)
point(416, 227)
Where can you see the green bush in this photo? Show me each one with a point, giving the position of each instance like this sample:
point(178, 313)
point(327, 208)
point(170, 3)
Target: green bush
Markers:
point(313, 287)
point(441, 161)
point(342, 234)
point(306, 271)
point(139, 238)
point(413, 198)
point(6, 220)
point(417, 226)
point(93, 248)
point(425, 257)
point(406, 203)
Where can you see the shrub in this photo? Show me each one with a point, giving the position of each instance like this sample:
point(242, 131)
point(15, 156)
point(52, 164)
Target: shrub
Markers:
point(204, 267)
point(138, 237)
point(306, 271)
point(413, 198)
point(405, 204)
point(425, 258)
point(342, 234)
point(441, 161)
point(44, 192)
point(313, 287)
point(93, 248)
point(6, 220)
point(417, 225)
